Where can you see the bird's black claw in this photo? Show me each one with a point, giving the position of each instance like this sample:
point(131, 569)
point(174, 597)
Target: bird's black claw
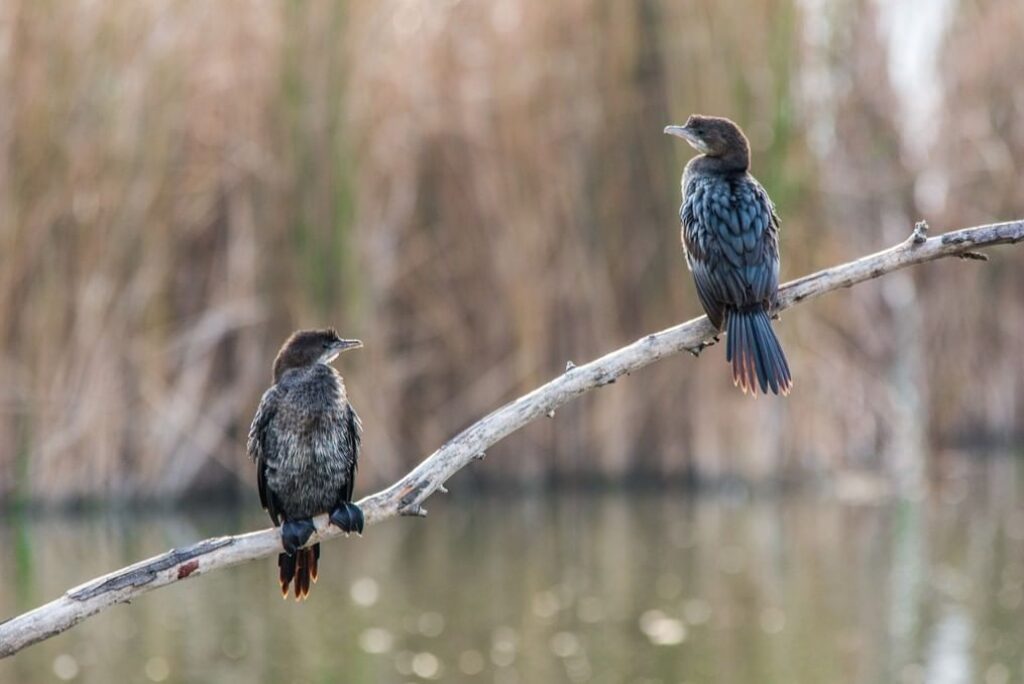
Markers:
point(295, 533)
point(348, 517)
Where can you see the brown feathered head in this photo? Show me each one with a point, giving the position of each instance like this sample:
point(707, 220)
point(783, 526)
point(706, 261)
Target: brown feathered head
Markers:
point(307, 347)
point(714, 136)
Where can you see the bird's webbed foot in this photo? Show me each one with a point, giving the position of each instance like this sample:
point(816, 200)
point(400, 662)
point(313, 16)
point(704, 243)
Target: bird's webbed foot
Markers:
point(348, 517)
point(295, 533)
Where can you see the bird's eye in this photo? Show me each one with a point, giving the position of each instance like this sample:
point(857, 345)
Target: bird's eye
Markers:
point(327, 345)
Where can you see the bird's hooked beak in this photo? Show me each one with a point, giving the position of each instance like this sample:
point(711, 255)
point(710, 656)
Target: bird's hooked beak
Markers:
point(338, 347)
point(689, 136)
point(344, 345)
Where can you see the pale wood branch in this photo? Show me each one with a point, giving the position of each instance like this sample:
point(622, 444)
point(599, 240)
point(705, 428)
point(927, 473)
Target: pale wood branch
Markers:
point(406, 496)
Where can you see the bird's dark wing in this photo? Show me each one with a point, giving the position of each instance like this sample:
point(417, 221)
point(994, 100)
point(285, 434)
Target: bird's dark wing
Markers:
point(730, 230)
point(702, 253)
point(267, 498)
point(353, 442)
point(260, 448)
point(768, 241)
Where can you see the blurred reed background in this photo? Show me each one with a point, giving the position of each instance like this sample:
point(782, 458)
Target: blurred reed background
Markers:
point(481, 192)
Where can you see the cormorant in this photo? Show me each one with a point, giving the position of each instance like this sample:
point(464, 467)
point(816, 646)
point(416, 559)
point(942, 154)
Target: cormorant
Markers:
point(305, 442)
point(731, 240)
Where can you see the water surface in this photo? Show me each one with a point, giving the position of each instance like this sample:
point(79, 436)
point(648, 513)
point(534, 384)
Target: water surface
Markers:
point(624, 587)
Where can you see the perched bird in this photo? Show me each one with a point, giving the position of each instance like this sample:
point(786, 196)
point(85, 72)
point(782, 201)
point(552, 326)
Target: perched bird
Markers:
point(305, 442)
point(731, 240)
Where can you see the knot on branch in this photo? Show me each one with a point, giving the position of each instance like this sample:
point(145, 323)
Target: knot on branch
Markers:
point(920, 233)
point(409, 503)
point(413, 511)
point(704, 345)
point(976, 256)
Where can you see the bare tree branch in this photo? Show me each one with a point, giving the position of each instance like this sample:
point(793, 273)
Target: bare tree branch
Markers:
point(406, 496)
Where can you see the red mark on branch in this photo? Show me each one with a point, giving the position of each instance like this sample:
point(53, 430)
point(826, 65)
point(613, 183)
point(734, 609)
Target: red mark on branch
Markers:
point(187, 569)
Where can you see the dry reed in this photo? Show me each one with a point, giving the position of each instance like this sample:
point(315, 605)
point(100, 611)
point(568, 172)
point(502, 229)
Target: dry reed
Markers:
point(481, 192)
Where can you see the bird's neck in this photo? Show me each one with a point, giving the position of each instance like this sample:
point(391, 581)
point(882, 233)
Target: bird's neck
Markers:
point(333, 376)
point(735, 161)
point(317, 371)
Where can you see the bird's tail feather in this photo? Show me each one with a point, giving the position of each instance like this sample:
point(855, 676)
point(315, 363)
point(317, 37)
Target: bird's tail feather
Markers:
point(298, 571)
point(755, 353)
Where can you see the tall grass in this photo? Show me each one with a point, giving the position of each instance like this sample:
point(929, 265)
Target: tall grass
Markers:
point(481, 192)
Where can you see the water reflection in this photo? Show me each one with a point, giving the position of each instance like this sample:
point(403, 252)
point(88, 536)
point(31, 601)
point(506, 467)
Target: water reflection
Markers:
point(634, 587)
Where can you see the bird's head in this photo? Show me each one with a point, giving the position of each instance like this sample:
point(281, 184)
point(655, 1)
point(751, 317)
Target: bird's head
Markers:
point(714, 136)
point(308, 347)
